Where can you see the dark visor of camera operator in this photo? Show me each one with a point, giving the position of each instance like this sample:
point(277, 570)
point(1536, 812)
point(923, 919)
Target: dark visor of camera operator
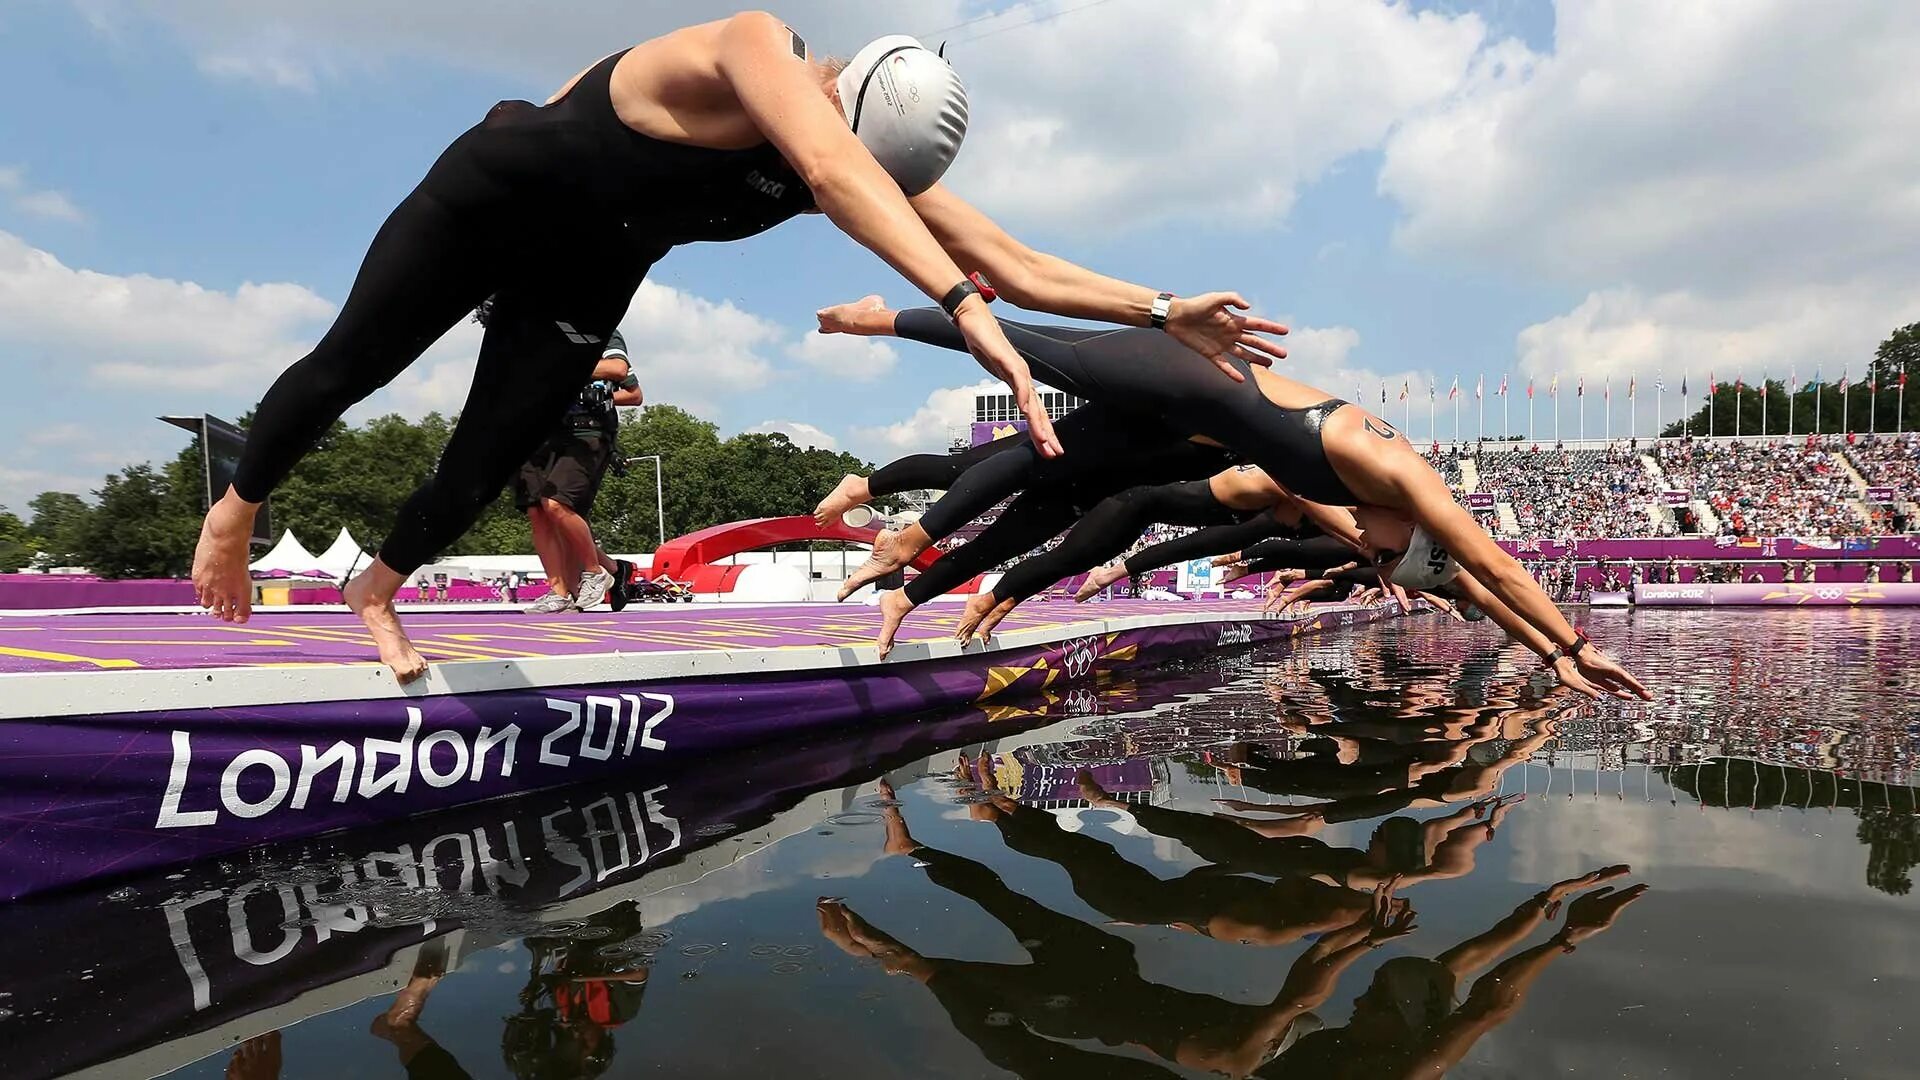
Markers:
point(557, 486)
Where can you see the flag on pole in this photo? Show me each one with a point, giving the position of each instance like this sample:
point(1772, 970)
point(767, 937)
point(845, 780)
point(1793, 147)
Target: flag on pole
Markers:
point(1455, 392)
point(1843, 380)
point(1479, 385)
point(1632, 385)
point(1763, 389)
point(1553, 387)
point(1430, 389)
point(1580, 389)
point(1660, 383)
point(1405, 386)
point(1606, 389)
point(1529, 388)
point(1683, 386)
point(1712, 387)
point(1503, 386)
point(1383, 391)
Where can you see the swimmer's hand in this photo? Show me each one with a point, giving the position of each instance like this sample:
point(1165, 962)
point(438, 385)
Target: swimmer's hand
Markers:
point(1603, 671)
point(989, 345)
point(1569, 676)
point(1211, 325)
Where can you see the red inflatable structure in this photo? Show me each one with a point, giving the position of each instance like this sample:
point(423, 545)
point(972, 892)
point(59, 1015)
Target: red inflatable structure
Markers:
point(691, 557)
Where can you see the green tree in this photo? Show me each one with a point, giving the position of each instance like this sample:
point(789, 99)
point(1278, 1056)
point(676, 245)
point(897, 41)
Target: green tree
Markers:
point(1893, 848)
point(58, 519)
point(16, 545)
point(142, 524)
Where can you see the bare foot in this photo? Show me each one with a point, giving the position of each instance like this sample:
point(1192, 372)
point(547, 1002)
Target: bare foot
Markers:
point(894, 607)
point(1101, 578)
point(256, 1059)
point(852, 491)
point(220, 580)
point(859, 938)
point(977, 608)
point(1000, 611)
point(899, 840)
point(383, 623)
point(888, 556)
point(1091, 790)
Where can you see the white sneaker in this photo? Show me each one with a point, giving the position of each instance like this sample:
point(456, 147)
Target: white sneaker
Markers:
point(593, 589)
point(551, 604)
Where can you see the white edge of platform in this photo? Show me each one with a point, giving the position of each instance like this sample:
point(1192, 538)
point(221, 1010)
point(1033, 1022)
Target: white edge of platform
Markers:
point(47, 695)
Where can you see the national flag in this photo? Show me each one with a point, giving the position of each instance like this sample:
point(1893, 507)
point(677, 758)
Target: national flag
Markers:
point(1712, 387)
point(1455, 392)
point(1553, 387)
point(1763, 389)
point(1901, 382)
point(1580, 389)
point(1406, 387)
point(1479, 385)
point(1632, 385)
point(1842, 385)
point(1503, 386)
point(1383, 392)
point(1660, 384)
point(1431, 389)
point(1683, 386)
point(1606, 389)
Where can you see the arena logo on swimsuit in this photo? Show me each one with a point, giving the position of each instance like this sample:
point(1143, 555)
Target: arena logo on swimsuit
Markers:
point(590, 730)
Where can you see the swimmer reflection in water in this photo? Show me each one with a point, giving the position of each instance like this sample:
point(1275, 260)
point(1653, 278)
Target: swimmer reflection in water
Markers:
point(711, 133)
point(1140, 388)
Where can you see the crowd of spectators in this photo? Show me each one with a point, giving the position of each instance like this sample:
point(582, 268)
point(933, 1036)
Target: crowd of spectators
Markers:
point(1557, 493)
point(1774, 488)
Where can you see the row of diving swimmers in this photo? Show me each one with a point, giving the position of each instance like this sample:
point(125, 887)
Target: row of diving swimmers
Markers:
point(1080, 994)
point(1156, 413)
point(558, 211)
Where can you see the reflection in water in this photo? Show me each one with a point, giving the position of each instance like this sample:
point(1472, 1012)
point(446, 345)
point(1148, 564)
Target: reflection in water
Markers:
point(1363, 858)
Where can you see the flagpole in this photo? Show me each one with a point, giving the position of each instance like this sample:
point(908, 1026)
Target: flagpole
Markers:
point(1633, 408)
point(1818, 386)
point(1553, 392)
point(1793, 377)
point(1433, 429)
point(1739, 398)
point(1846, 399)
point(1900, 405)
point(1713, 394)
point(1607, 399)
point(1873, 402)
point(1530, 435)
point(1763, 404)
point(1507, 429)
point(1479, 396)
point(1581, 394)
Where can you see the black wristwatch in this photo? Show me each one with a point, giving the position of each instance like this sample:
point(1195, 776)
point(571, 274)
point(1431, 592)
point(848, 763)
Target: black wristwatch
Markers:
point(957, 296)
point(1570, 652)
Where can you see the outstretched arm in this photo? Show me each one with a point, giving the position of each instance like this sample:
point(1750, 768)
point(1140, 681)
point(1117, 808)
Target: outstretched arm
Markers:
point(784, 101)
point(1210, 324)
point(1413, 484)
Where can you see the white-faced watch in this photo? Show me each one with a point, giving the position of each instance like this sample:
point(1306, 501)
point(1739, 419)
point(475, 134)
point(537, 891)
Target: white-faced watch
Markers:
point(1162, 305)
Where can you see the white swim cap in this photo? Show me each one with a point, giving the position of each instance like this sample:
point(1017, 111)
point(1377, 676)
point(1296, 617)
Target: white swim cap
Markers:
point(908, 108)
point(1426, 565)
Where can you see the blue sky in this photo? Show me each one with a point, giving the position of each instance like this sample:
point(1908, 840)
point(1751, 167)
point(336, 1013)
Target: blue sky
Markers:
point(1428, 192)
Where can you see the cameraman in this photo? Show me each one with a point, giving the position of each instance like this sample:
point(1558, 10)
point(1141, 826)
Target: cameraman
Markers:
point(556, 489)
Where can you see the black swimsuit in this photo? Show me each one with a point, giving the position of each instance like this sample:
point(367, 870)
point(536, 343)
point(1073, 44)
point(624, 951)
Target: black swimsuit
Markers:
point(1141, 385)
point(555, 211)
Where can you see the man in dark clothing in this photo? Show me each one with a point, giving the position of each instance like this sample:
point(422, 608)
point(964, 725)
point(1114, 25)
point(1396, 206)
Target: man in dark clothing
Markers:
point(557, 486)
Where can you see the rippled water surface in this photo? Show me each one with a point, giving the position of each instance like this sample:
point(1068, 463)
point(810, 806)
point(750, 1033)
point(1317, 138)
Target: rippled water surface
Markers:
point(1380, 855)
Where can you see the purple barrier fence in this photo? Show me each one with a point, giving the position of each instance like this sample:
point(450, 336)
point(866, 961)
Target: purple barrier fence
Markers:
point(40, 591)
point(1816, 595)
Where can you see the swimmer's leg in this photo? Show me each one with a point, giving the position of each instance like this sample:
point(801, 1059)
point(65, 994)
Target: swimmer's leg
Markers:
point(423, 273)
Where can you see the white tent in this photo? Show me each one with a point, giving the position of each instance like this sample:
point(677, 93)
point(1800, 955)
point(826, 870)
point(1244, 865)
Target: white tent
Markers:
point(287, 557)
point(345, 557)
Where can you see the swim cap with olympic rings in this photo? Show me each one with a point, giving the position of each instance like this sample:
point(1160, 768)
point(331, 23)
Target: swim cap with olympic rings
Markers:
point(908, 107)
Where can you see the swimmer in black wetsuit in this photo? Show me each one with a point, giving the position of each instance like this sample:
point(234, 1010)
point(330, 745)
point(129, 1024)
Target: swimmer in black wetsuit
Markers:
point(1320, 448)
point(711, 133)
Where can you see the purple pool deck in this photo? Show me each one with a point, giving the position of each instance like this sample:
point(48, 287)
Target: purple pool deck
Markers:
point(133, 741)
point(46, 643)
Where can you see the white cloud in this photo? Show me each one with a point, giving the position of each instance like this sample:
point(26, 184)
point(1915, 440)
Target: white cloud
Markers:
point(1229, 108)
point(155, 332)
point(798, 433)
point(843, 356)
point(693, 352)
point(1627, 331)
point(946, 415)
point(37, 202)
point(1667, 145)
